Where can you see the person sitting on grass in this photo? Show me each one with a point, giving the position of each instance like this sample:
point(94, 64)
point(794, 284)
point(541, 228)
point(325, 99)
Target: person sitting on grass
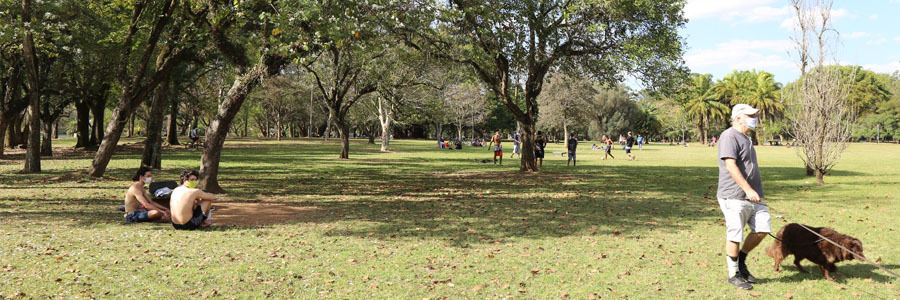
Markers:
point(190, 206)
point(138, 206)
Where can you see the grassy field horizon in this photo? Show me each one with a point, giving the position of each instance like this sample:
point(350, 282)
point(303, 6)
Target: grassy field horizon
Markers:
point(419, 222)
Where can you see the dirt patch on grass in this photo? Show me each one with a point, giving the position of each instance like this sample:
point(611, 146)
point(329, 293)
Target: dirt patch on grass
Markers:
point(262, 213)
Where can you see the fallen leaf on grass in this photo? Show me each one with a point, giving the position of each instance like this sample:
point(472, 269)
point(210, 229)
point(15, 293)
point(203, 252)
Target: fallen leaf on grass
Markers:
point(755, 294)
point(477, 287)
point(788, 295)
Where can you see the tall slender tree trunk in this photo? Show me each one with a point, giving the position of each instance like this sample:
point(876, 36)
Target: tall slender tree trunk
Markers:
point(172, 134)
point(47, 139)
point(98, 111)
point(565, 133)
point(344, 131)
point(152, 156)
point(228, 109)
point(3, 124)
point(32, 154)
point(385, 118)
point(131, 127)
point(328, 126)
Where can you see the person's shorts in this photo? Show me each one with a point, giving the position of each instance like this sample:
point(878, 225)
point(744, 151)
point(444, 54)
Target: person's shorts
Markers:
point(744, 212)
point(627, 150)
point(517, 149)
point(539, 154)
point(137, 216)
point(195, 221)
point(571, 155)
point(498, 153)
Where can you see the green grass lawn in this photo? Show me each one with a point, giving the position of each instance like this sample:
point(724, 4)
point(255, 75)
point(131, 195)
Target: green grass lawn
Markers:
point(425, 223)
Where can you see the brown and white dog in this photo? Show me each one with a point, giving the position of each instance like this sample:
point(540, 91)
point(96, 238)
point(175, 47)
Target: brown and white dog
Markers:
point(794, 239)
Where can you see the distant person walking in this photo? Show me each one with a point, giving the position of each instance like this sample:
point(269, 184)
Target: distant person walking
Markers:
point(498, 149)
point(740, 194)
point(608, 141)
point(572, 145)
point(539, 144)
point(517, 146)
point(640, 142)
point(629, 143)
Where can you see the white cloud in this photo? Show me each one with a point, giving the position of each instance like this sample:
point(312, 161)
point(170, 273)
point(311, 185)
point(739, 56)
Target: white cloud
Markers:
point(873, 17)
point(743, 54)
point(856, 35)
point(730, 10)
point(884, 68)
point(897, 38)
point(877, 42)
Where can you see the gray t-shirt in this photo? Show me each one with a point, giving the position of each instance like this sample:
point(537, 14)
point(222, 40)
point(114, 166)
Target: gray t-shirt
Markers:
point(734, 144)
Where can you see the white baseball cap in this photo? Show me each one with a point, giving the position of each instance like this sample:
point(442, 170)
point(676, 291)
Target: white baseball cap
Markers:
point(742, 109)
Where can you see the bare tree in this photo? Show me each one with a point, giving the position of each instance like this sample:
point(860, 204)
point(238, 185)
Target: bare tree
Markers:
point(467, 103)
point(821, 119)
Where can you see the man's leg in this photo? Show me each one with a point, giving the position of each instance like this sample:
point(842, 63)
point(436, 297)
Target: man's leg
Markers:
point(156, 216)
point(752, 241)
point(206, 206)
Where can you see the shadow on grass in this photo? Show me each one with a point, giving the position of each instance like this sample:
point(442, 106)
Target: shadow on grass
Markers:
point(858, 270)
point(461, 202)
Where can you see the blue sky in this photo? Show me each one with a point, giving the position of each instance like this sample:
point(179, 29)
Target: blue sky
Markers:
point(725, 35)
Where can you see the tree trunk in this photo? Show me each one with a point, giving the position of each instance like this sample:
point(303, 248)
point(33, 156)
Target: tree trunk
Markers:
point(371, 133)
point(278, 129)
point(528, 162)
point(344, 131)
point(565, 134)
point(152, 156)
point(47, 141)
point(328, 126)
point(131, 127)
point(32, 154)
point(98, 111)
point(439, 133)
point(820, 177)
point(3, 124)
point(172, 134)
point(228, 109)
point(385, 135)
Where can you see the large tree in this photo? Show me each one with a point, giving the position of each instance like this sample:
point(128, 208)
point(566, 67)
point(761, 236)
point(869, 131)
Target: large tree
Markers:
point(347, 38)
point(241, 34)
point(499, 39)
point(563, 103)
point(135, 76)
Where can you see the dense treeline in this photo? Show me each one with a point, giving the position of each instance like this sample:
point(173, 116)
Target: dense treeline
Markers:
point(101, 70)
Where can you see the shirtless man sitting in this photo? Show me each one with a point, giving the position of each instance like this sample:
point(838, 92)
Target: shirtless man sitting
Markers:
point(138, 206)
point(190, 206)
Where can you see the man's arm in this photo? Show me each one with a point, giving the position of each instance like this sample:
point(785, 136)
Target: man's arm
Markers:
point(731, 165)
point(144, 200)
point(205, 196)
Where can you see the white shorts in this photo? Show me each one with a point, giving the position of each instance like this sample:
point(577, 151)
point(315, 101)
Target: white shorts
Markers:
point(740, 212)
point(517, 148)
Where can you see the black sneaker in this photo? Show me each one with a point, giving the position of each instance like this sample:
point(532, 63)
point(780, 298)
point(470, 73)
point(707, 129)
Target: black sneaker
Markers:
point(739, 281)
point(742, 269)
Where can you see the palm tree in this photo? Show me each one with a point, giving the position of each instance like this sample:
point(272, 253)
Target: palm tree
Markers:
point(703, 104)
point(765, 96)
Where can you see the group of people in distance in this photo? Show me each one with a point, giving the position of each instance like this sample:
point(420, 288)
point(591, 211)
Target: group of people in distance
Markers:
point(539, 144)
point(189, 208)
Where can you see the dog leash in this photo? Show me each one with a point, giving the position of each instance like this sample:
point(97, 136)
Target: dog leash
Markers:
point(822, 238)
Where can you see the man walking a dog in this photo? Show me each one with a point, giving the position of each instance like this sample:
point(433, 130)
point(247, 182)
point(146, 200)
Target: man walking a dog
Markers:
point(740, 193)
